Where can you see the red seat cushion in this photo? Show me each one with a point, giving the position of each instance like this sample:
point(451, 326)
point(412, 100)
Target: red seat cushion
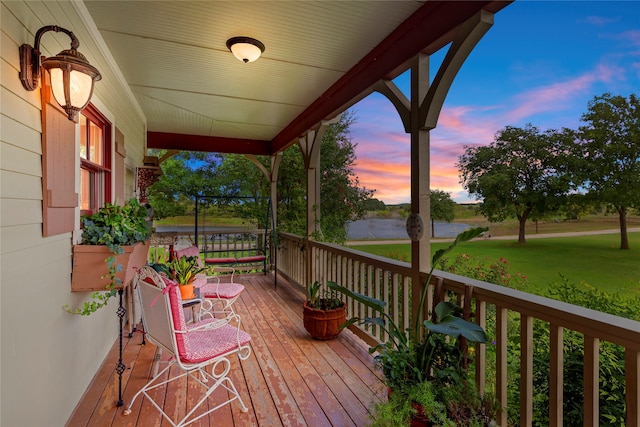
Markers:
point(219, 260)
point(198, 346)
point(254, 258)
point(223, 290)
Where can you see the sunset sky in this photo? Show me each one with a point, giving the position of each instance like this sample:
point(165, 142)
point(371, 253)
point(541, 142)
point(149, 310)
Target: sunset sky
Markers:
point(540, 63)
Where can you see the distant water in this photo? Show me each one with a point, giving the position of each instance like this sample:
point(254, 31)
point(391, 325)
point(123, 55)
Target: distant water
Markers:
point(394, 228)
point(374, 228)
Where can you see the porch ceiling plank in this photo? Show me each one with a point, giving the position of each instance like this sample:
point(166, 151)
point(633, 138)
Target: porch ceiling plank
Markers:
point(320, 58)
point(427, 30)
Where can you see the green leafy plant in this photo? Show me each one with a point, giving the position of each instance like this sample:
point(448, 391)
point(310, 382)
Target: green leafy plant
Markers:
point(416, 401)
point(427, 350)
point(612, 370)
point(113, 226)
point(321, 298)
point(475, 268)
point(181, 270)
point(116, 225)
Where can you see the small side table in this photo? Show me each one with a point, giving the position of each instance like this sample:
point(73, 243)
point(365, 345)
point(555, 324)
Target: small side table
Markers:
point(194, 304)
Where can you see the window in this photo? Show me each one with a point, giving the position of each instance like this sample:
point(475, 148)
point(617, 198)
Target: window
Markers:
point(95, 160)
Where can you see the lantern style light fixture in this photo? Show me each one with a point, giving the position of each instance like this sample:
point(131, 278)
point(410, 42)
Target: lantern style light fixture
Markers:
point(72, 77)
point(245, 49)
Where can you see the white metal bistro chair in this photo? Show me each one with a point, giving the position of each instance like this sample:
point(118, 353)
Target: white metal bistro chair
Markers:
point(200, 350)
point(211, 288)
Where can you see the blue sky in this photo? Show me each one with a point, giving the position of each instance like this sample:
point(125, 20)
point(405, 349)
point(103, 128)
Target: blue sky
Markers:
point(540, 63)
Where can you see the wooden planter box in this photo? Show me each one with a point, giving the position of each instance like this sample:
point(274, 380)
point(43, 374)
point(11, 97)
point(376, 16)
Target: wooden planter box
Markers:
point(89, 265)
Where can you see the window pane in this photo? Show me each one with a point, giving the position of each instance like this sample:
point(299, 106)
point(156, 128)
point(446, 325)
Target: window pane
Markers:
point(95, 144)
point(85, 190)
point(83, 137)
point(95, 162)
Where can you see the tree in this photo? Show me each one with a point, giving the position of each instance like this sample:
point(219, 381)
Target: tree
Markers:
point(173, 194)
point(442, 208)
point(522, 173)
point(374, 204)
point(341, 198)
point(610, 155)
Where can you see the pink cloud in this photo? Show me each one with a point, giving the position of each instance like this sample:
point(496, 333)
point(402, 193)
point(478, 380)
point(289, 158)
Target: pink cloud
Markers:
point(600, 20)
point(384, 148)
point(557, 96)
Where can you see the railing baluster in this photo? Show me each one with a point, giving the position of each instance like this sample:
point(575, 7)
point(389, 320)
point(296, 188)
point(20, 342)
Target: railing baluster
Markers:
point(395, 299)
point(480, 359)
point(591, 381)
point(556, 378)
point(526, 370)
point(406, 306)
point(501, 363)
point(632, 365)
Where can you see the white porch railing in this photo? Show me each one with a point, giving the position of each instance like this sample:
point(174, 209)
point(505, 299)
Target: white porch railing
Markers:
point(391, 282)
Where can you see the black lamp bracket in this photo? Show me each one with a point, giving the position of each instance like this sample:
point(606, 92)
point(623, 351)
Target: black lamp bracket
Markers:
point(30, 56)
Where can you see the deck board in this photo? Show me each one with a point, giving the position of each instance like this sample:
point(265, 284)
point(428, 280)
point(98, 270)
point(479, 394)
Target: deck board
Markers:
point(289, 379)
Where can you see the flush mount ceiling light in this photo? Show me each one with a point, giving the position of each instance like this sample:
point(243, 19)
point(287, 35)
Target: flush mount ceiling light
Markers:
point(72, 77)
point(245, 49)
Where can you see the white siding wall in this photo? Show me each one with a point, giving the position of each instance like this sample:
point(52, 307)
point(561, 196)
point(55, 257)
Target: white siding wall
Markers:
point(48, 357)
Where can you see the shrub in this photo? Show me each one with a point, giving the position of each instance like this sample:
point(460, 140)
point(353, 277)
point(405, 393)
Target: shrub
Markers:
point(612, 371)
point(493, 272)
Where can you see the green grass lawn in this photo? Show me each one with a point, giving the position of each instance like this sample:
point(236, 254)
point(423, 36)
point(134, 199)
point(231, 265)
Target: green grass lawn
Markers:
point(595, 260)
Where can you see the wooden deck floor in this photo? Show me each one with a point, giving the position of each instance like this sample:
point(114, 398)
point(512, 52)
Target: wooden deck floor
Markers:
point(289, 379)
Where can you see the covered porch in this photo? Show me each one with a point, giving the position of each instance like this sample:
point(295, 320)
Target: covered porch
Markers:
point(150, 99)
point(289, 379)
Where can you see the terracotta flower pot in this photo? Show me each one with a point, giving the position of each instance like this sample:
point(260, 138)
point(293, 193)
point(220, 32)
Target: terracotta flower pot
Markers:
point(324, 324)
point(186, 292)
point(419, 419)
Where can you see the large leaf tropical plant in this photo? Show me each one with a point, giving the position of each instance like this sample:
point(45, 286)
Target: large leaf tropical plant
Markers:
point(427, 349)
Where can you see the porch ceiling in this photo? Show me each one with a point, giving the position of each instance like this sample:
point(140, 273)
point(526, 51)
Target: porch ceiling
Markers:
point(321, 57)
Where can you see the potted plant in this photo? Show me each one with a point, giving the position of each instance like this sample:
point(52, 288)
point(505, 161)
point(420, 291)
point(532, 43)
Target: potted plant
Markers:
point(183, 271)
point(429, 350)
point(115, 240)
point(409, 406)
point(323, 312)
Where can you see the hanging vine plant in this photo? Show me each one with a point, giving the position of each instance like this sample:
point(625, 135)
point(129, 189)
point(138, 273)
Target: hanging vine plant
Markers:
point(115, 227)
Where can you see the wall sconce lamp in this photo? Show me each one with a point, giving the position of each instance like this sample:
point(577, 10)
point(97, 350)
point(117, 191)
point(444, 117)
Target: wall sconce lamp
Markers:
point(72, 77)
point(245, 49)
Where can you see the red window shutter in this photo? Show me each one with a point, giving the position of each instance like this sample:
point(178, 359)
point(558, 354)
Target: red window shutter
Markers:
point(118, 166)
point(59, 198)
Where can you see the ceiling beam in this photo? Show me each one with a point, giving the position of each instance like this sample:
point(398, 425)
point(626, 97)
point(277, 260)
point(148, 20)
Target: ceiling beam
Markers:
point(183, 142)
point(427, 30)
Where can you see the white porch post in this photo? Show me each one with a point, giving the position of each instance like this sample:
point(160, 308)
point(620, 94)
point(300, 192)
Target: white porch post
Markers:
point(419, 115)
point(420, 168)
point(419, 165)
point(310, 147)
